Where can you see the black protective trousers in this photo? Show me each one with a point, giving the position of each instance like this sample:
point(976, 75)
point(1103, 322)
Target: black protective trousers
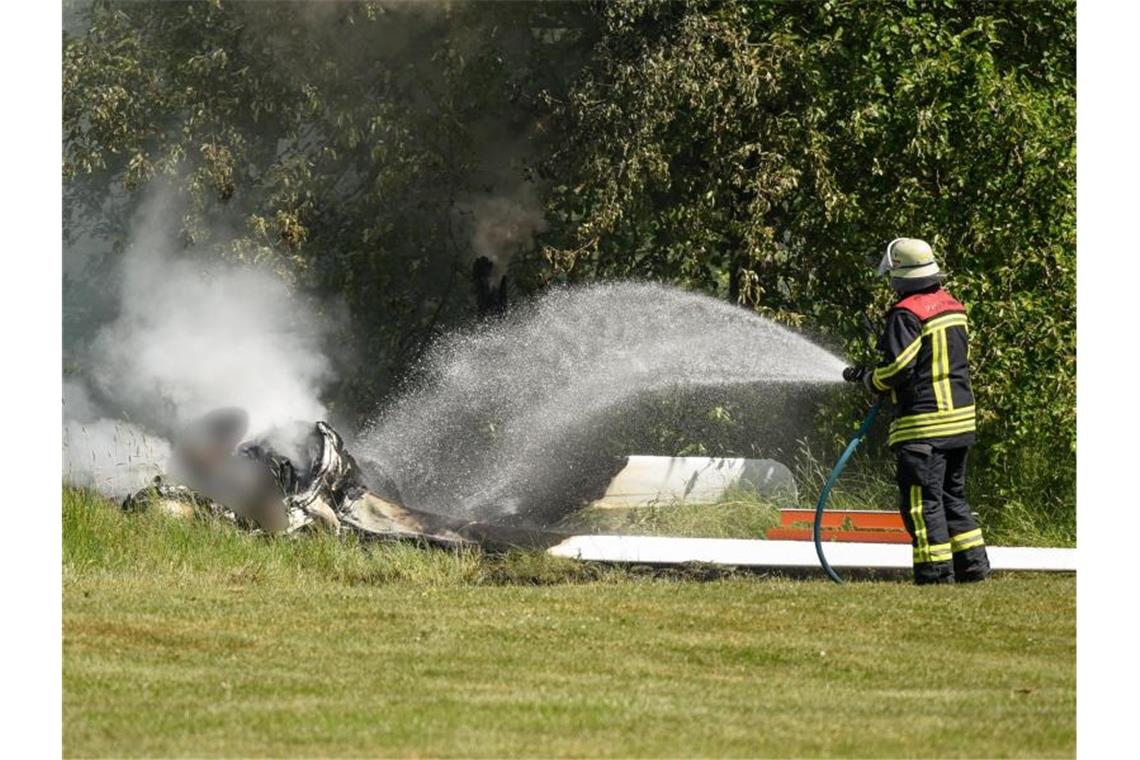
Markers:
point(947, 541)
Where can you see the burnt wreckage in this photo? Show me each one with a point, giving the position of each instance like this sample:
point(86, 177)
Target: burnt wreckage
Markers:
point(299, 478)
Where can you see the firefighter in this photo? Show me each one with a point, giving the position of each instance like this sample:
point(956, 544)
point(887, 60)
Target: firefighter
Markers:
point(924, 349)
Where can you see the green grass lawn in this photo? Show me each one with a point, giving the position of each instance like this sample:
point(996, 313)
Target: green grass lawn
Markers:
point(196, 640)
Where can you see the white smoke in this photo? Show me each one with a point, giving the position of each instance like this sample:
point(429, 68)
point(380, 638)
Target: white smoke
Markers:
point(192, 334)
point(192, 338)
point(510, 418)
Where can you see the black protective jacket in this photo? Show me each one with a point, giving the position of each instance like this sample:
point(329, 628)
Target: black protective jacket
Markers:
point(925, 350)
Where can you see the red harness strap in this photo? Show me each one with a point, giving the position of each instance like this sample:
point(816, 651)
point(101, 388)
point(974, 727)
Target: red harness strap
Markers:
point(927, 305)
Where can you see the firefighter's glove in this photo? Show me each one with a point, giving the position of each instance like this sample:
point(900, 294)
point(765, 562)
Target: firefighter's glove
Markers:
point(855, 374)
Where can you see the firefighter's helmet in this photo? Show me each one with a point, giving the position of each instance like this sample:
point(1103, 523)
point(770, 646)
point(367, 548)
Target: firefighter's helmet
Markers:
point(908, 259)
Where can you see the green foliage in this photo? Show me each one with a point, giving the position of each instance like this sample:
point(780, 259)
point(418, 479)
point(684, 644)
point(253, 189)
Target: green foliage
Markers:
point(755, 151)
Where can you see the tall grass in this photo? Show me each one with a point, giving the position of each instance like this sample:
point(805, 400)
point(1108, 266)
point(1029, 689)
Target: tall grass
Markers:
point(738, 514)
point(867, 482)
point(1005, 514)
point(99, 537)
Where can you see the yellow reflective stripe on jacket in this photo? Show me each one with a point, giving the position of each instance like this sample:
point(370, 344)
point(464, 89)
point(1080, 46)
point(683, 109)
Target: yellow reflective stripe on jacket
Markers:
point(967, 540)
point(904, 358)
point(947, 394)
point(940, 371)
point(934, 431)
point(941, 323)
point(969, 423)
point(944, 431)
point(929, 418)
point(932, 425)
point(936, 354)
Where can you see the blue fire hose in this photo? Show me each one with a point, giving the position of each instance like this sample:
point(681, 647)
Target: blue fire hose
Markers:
point(834, 476)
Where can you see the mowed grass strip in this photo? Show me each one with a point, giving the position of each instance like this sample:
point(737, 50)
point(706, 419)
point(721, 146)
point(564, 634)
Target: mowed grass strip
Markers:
point(196, 640)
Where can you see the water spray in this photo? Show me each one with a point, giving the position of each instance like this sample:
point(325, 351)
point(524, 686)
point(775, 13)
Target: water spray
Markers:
point(505, 420)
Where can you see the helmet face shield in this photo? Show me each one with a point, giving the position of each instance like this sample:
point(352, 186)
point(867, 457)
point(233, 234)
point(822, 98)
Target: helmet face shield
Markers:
point(885, 263)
